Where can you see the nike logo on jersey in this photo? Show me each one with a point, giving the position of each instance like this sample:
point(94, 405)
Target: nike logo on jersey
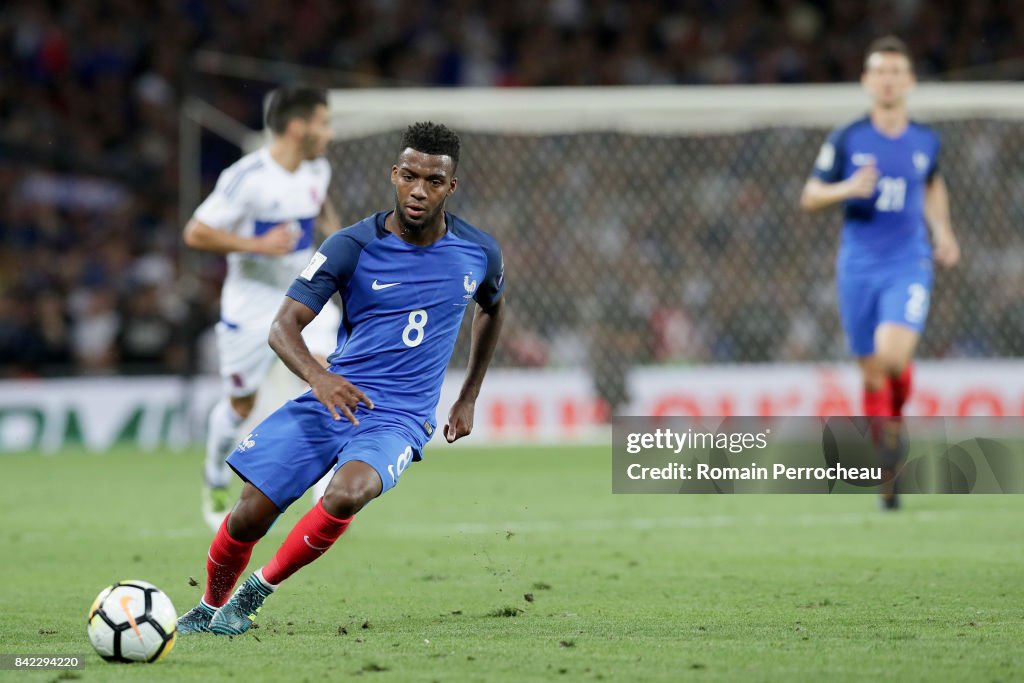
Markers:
point(378, 286)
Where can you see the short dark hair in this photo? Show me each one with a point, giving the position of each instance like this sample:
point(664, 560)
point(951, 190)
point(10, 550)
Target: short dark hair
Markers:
point(887, 44)
point(432, 138)
point(291, 102)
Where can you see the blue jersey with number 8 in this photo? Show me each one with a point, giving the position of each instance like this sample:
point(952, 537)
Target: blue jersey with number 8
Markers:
point(403, 306)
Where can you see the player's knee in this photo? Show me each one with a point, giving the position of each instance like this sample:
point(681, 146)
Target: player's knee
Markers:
point(246, 527)
point(251, 518)
point(874, 378)
point(874, 382)
point(892, 364)
point(347, 498)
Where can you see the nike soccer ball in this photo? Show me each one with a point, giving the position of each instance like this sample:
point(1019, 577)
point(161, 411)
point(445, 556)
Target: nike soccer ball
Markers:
point(132, 621)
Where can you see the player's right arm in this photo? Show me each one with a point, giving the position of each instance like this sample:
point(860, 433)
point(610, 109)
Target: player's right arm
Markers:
point(329, 271)
point(818, 195)
point(336, 393)
point(277, 241)
point(826, 186)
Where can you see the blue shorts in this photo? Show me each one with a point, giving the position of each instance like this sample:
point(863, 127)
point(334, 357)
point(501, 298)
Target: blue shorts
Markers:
point(290, 450)
point(893, 295)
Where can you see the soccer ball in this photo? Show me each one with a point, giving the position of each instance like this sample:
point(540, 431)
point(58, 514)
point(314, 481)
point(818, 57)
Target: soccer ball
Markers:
point(132, 621)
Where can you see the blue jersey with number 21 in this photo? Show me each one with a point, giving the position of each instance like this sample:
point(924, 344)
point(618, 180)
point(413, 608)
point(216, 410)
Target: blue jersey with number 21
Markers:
point(888, 227)
point(883, 267)
point(403, 307)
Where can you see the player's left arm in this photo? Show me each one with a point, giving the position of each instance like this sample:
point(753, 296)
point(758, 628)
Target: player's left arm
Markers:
point(936, 211)
point(486, 328)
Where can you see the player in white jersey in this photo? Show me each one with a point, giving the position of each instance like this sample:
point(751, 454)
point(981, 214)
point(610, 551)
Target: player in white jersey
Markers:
point(263, 213)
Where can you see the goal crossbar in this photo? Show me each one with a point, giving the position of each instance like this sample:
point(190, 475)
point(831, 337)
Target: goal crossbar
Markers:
point(660, 110)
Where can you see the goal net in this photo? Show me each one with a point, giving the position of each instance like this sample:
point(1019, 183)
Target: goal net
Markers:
point(662, 226)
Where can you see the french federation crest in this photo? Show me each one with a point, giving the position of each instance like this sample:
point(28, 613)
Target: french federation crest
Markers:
point(470, 285)
point(248, 442)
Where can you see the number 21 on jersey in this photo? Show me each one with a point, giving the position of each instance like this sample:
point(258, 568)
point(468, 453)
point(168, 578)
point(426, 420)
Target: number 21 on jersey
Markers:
point(891, 193)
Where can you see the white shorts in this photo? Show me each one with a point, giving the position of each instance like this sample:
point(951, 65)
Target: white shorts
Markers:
point(245, 356)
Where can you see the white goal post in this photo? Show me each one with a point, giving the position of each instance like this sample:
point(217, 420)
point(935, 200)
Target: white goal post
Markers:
point(656, 110)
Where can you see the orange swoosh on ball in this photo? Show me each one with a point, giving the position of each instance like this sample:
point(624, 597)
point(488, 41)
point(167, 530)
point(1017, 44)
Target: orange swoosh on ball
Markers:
point(131, 620)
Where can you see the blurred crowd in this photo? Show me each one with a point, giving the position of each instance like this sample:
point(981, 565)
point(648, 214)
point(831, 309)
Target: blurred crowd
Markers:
point(92, 269)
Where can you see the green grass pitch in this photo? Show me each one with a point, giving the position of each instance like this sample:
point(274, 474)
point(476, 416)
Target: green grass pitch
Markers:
point(520, 565)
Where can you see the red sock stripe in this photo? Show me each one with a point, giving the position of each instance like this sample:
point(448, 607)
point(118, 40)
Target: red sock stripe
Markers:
point(225, 562)
point(309, 539)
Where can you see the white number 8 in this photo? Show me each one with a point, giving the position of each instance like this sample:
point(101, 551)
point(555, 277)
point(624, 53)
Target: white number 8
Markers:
point(917, 303)
point(412, 335)
point(404, 458)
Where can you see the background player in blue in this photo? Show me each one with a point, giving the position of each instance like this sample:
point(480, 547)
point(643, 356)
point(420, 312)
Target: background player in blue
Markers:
point(406, 278)
point(883, 168)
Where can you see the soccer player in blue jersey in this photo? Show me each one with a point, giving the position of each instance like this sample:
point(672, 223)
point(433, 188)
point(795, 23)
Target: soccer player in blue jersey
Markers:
point(883, 169)
point(406, 278)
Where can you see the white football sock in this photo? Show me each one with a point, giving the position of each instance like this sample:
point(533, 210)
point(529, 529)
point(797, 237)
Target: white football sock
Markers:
point(259, 575)
point(221, 439)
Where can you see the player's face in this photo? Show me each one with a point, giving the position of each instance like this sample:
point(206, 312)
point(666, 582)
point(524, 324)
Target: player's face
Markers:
point(422, 183)
point(887, 78)
point(317, 134)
